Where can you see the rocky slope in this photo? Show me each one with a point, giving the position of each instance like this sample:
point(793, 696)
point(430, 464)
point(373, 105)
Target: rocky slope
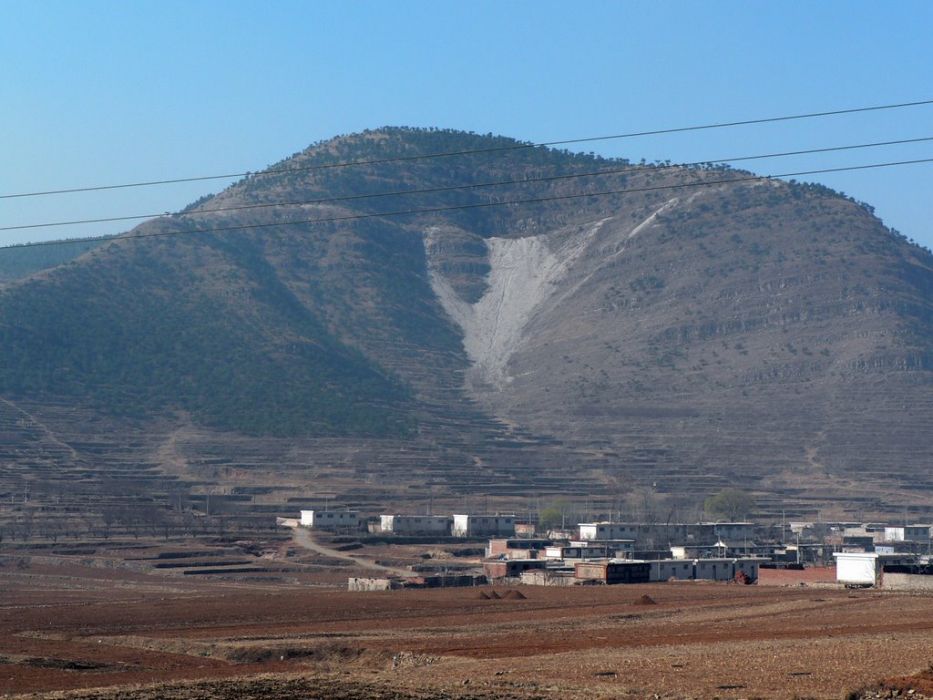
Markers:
point(678, 334)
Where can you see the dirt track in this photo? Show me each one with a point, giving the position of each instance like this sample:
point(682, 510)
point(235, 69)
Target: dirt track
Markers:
point(303, 538)
point(74, 627)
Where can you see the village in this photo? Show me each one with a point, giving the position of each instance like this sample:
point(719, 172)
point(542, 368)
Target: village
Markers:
point(884, 556)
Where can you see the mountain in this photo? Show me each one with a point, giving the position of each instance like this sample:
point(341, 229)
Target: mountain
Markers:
point(685, 332)
point(17, 262)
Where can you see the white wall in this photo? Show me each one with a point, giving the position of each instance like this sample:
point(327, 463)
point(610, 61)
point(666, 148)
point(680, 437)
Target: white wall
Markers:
point(329, 519)
point(856, 568)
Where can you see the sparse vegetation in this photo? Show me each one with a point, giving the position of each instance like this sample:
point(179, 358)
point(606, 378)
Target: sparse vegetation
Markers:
point(729, 504)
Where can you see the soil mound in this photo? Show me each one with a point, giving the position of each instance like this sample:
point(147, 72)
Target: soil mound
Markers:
point(513, 595)
point(483, 595)
point(494, 596)
point(646, 600)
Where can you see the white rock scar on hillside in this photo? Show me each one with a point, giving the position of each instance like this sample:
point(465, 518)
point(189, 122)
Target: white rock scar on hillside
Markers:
point(523, 275)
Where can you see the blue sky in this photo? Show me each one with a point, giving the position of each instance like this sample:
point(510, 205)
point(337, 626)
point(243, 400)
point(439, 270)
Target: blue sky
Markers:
point(106, 92)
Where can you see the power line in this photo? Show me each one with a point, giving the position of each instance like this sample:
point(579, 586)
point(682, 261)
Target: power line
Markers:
point(460, 207)
point(497, 149)
point(471, 186)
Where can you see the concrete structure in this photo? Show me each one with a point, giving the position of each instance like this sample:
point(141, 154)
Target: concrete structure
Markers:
point(515, 547)
point(330, 519)
point(725, 569)
point(618, 549)
point(393, 583)
point(613, 571)
point(465, 525)
point(907, 533)
point(677, 569)
point(525, 529)
point(720, 549)
point(511, 568)
point(895, 581)
point(609, 531)
point(415, 524)
point(577, 552)
point(668, 532)
point(549, 577)
point(865, 568)
point(801, 527)
point(858, 543)
point(711, 569)
point(374, 584)
point(732, 531)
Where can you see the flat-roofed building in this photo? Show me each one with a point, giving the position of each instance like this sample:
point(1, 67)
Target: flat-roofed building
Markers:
point(866, 568)
point(415, 524)
point(677, 569)
point(516, 547)
point(907, 533)
point(613, 571)
point(707, 569)
point(330, 519)
point(483, 525)
point(606, 530)
point(511, 568)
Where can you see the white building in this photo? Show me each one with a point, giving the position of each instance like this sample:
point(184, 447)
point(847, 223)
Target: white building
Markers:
point(865, 568)
point(330, 519)
point(894, 534)
point(465, 525)
point(415, 524)
point(907, 533)
point(608, 531)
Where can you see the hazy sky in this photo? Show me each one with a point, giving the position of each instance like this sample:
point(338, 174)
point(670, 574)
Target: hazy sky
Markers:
point(106, 92)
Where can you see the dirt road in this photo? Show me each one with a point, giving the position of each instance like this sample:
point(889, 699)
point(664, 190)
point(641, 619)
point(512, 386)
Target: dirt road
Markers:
point(303, 538)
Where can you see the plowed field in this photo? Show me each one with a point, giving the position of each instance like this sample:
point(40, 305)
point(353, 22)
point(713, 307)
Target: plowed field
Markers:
point(123, 634)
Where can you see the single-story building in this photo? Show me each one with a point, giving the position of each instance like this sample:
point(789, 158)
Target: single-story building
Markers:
point(709, 569)
point(570, 552)
point(415, 524)
point(608, 531)
point(721, 549)
point(726, 569)
point(466, 525)
point(511, 568)
point(613, 571)
point(549, 577)
point(907, 533)
point(677, 569)
point(330, 519)
point(515, 547)
point(866, 569)
point(618, 549)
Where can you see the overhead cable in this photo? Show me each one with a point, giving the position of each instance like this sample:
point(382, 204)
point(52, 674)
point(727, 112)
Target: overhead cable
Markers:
point(460, 207)
point(454, 188)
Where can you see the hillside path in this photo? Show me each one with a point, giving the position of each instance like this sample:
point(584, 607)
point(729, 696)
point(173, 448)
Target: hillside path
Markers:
point(302, 537)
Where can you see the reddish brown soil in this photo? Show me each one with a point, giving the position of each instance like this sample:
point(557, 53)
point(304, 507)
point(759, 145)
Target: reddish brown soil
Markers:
point(791, 577)
point(75, 627)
